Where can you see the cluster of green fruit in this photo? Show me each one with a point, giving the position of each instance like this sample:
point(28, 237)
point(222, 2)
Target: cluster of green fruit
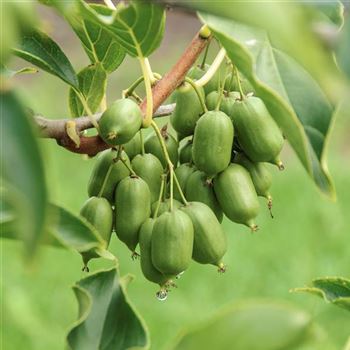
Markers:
point(170, 200)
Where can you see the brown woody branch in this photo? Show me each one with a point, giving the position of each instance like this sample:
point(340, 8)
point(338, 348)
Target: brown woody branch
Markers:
point(92, 145)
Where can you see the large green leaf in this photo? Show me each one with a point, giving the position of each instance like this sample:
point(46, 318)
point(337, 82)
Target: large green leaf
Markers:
point(24, 195)
point(138, 27)
point(40, 50)
point(294, 99)
point(290, 28)
point(252, 325)
point(106, 318)
point(335, 290)
point(92, 84)
point(99, 44)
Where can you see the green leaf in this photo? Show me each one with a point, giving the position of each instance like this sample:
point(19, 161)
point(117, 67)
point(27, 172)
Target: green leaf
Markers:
point(99, 45)
point(92, 84)
point(40, 50)
point(251, 325)
point(106, 318)
point(24, 194)
point(331, 12)
point(72, 231)
point(289, 27)
point(343, 48)
point(335, 290)
point(294, 99)
point(138, 27)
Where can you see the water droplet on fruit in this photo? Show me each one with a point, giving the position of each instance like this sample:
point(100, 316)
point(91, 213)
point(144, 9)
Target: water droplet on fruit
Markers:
point(179, 275)
point(162, 295)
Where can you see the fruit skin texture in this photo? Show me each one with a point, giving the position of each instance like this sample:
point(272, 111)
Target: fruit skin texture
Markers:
point(187, 111)
point(197, 72)
point(183, 172)
point(118, 172)
point(200, 189)
point(259, 173)
point(152, 145)
point(148, 270)
point(227, 102)
point(186, 153)
point(257, 132)
point(164, 206)
point(210, 242)
point(212, 142)
point(172, 242)
point(236, 194)
point(150, 169)
point(98, 212)
point(120, 122)
point(133, 147)
point(133, 207)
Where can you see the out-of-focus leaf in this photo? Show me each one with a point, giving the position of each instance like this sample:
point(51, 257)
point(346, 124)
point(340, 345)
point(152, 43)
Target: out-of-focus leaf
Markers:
point(106, 318)
point(343, 48)
point(74, 231)
point(24, 195)
point(92, 84)
point(251, 325)
point(99, 45)
point(335, 290)
point(289, 28)
point(40, 50)
point(294, 99)
point(331, 11)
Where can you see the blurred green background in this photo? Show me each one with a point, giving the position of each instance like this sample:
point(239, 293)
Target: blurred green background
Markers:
point(308, 238)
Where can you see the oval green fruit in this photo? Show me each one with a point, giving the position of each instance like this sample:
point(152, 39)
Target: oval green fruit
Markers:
point(200, 189)
point(150, 169)
point(182, 173)
point(236, 194)
point(210, 242)
point(231, 85)
point(227, 102)
point(107, 172)
point(186, 152)
point(152, 145)
point(133, 147)
point(212, 142)
point(196, 72)
point(133, 207)
point(257, 132)
point(120, 122)
point(259, 173)
point(172, 242)
point(164, 206)
point(187, 111)
point(98, 212)
point(145, 240)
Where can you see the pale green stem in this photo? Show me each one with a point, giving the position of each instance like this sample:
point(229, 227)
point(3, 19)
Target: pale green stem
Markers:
point(180, 190)
point(221, 91)
point(105, 180)
point(235, 72)
point(200, 97)
point(110, 4)
point(127, 92)
point(150, 72)
point(149, 109)
point(212, 69)
point(132, 172)
point(205, 55)
point(142, 144)
point(162, 186)
point(86, 108)
point(171, 188)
